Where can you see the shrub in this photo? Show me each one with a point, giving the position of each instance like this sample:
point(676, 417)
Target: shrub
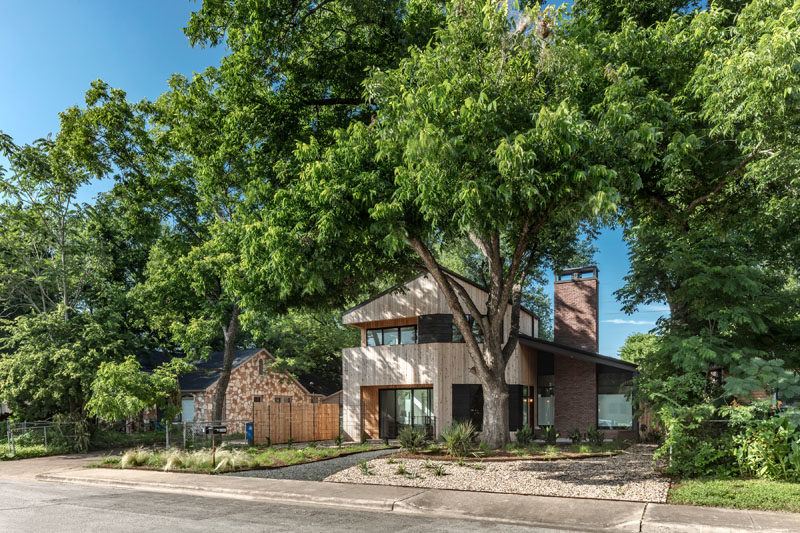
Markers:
point(434, 448)
point(594, 436)
point(524, 435)
point(575, 436)
point(549, 434)
point(694, 447)
point(401, 470)
point(770, 449)
point(385, 441)
point(411, 439)
point(439, 470)
point(365, 468)
point(337, 440)
point(363, 438)
point(458, 438)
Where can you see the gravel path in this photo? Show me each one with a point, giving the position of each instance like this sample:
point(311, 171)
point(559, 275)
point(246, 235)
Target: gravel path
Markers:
point(316, 471)
point(627, 476)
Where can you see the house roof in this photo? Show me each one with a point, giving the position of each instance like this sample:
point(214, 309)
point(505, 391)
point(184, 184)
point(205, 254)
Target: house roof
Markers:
point(425, 273)
point(563, 349)
point(209, 371)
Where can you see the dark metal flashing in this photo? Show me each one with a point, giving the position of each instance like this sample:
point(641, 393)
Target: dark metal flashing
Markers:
point(425, 273)
point(562, 349)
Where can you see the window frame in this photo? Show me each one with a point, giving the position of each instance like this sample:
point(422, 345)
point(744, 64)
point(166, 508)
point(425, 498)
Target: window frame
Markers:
point(398, 330)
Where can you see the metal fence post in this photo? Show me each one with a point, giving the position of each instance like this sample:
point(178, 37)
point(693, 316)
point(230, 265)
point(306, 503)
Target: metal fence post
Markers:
point(13, 446)
point(45, 439)
point(184, 435)
point(167, 433)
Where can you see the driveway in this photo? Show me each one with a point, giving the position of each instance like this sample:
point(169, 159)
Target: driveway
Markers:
point(316, 471)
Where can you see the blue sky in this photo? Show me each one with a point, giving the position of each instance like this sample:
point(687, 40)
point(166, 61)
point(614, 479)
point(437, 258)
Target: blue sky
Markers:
point(50, 50)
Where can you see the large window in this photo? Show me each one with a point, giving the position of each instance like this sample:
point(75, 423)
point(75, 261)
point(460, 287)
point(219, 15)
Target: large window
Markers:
point(401, 408)
point(546, 400)
point(476, 330)
point(614, 409)
point(392, 336)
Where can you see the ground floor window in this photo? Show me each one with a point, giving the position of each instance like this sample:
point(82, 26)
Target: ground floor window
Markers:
point(547, 400)
point(614, 408)
point(400, 408)
point(527, 406)
point(187, 409)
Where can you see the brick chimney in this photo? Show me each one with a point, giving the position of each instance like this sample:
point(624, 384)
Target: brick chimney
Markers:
point(575, 316)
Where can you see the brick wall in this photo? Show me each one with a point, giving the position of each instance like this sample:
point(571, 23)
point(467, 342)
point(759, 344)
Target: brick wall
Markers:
point(245, 383)
point(575, 394)
point(575, 313)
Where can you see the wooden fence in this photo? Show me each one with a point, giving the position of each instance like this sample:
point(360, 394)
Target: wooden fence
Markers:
point(302, 422)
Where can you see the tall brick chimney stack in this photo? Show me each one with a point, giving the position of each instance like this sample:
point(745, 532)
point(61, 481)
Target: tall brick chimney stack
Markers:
point(576, 322)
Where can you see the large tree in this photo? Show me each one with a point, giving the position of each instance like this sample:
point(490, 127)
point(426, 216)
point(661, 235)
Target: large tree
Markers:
point(476, 136)
point(716, 88)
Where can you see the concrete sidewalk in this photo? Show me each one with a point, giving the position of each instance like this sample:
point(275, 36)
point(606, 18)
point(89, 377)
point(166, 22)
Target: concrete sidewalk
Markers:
point(534, 511)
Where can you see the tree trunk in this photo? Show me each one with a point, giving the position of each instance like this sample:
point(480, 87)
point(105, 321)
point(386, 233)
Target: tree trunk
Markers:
point(229, 333)
point(491, 359)
point(495, 413)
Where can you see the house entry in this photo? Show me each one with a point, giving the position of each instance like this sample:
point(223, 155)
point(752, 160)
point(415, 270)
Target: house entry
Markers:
point(401, 408)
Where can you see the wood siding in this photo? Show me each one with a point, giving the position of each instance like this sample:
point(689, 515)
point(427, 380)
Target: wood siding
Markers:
point(421, 296)
point(301, 422)
point(437, 364)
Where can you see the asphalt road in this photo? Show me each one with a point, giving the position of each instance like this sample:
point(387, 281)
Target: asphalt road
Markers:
point(30, 506)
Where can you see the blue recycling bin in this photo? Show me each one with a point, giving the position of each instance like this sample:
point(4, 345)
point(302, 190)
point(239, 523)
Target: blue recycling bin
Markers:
point(248, 430)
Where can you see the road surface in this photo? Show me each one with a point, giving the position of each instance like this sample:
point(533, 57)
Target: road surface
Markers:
point(32, 506)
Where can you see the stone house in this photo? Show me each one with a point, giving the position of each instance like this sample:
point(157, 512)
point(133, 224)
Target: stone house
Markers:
point(251, 381)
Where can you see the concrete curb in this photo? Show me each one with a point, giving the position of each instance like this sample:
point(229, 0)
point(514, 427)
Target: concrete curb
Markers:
point(533, 511)
point(225, 492)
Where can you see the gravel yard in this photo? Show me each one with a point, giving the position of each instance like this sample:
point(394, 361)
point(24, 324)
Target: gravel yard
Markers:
point(627, 476)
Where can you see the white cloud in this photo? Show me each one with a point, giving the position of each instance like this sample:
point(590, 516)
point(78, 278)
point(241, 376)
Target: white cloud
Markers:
point(632, 322)
point(654, 309)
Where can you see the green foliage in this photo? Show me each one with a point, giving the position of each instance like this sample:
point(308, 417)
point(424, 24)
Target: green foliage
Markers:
point(594, 436)
point(524, 435)
point(740, 494)
point(401, 470)
point(770, 448)
point(338, 440)
point(123, 389)
point(576, 436)
point(549, 434)
point(458, 438)
point(365, 468)
point(439, 470)
point(411, 439)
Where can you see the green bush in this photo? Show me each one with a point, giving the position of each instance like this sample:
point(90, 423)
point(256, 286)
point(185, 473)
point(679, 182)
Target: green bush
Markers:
point(524, 435)
point(594, 436)
point(458, 438)
point(770, 449)
point(549, 434)
point(575, 436)
point(411, 439)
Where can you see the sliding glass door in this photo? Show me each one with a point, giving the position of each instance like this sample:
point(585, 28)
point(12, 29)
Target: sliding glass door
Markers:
point(400, 408)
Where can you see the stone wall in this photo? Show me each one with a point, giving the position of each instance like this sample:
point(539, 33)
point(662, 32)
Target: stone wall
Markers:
point(245, 384)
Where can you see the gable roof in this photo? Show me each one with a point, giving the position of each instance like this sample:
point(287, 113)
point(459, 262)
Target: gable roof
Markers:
point(563, 349)
point(426, 273)
point(209, 371)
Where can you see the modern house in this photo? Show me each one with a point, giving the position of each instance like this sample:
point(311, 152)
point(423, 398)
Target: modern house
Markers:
point(412, 367)
point(251, 381)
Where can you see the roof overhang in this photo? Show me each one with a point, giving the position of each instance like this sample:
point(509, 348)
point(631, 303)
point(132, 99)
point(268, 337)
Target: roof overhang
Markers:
point(562, 349)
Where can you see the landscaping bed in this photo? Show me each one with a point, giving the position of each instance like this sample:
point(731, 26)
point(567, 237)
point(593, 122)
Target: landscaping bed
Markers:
point(627, 475)
point(738, 493)
point(228, 458)
point(532, 452)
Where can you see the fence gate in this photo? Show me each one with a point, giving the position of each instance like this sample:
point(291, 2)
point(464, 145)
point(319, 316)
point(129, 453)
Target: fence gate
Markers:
point(304, 422)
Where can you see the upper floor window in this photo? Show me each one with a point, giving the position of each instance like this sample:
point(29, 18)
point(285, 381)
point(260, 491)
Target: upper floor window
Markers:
point(476, 331)
point(391, 336)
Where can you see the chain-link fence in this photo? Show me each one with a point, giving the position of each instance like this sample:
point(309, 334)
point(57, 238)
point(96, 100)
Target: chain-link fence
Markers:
point(31, 438)
point(193, 434)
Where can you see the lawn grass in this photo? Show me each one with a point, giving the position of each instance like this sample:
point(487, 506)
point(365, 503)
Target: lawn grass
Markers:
point(227, 458)
point(738, 493)
point(31, 444)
